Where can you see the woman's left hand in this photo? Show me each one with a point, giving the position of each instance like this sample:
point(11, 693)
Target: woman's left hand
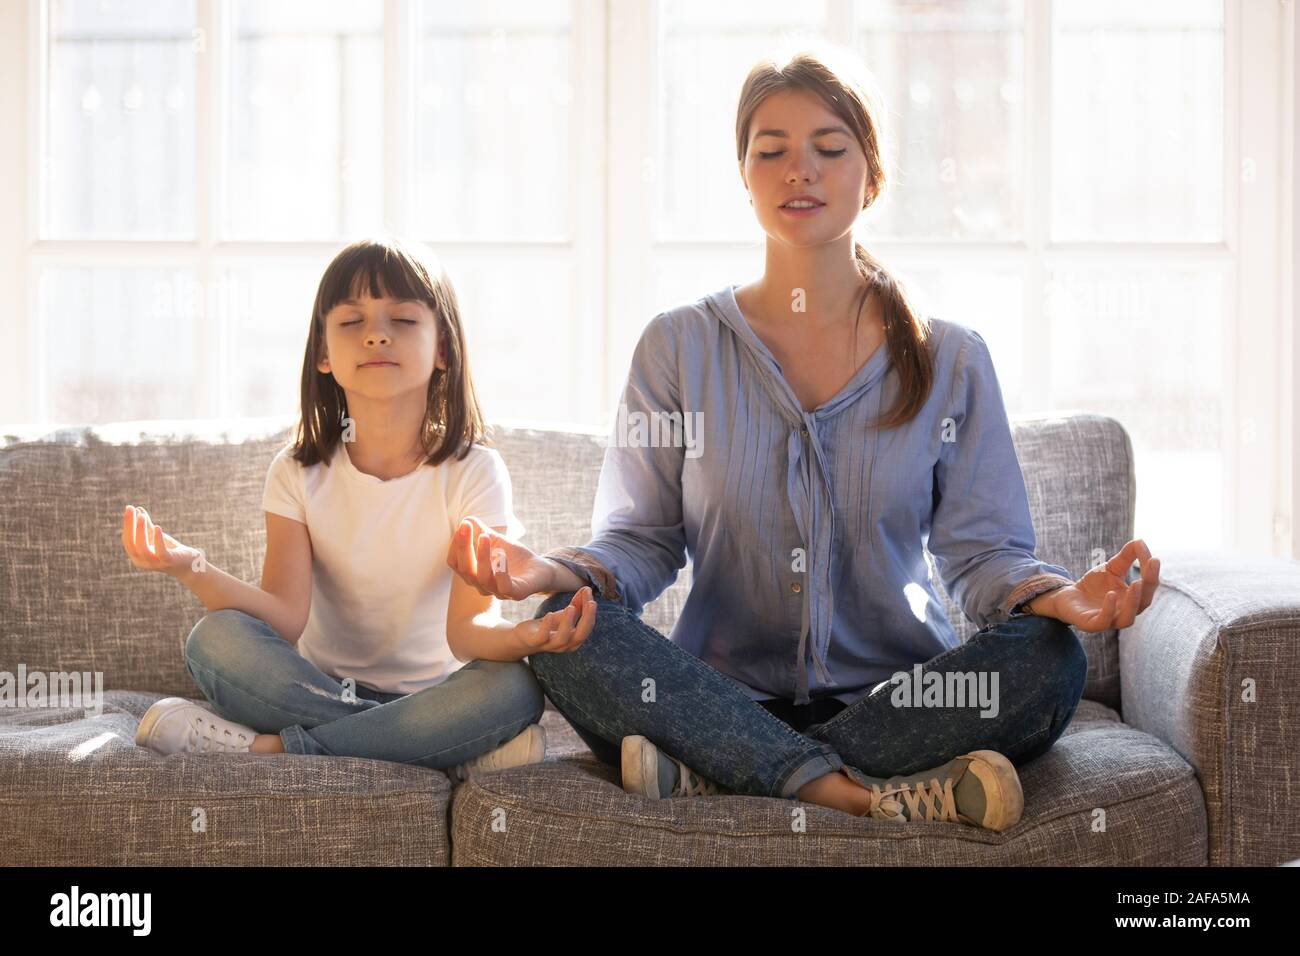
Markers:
point(1102, 600)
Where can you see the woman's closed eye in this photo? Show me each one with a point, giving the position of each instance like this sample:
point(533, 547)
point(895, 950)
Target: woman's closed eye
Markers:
point(824, 152)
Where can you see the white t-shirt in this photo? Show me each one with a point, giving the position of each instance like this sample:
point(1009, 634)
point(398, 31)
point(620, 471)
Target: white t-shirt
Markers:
point(380, 580)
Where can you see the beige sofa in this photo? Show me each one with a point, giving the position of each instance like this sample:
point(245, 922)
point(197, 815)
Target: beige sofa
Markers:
point(1164, 762)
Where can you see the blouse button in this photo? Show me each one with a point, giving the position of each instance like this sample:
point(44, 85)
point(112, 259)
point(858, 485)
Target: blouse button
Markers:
point(796, 587)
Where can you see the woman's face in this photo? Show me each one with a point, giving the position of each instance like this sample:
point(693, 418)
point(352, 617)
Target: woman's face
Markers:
point(403, 332)
point(797, 147)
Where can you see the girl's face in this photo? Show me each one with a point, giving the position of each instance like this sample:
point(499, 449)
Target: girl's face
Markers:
point(797, 147)
point(364, 331)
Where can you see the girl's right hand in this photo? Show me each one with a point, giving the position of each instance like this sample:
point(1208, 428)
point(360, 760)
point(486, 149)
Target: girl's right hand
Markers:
point(494, 565)
point(152, 549)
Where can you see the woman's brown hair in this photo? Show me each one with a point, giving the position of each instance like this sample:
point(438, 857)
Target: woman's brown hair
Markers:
point(850, 93)
point(453, 420)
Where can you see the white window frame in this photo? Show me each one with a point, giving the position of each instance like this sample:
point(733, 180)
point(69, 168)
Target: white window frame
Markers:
point(612, 242)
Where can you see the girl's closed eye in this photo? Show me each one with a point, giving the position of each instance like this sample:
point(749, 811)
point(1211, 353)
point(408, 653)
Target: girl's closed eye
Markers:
point(407, 321)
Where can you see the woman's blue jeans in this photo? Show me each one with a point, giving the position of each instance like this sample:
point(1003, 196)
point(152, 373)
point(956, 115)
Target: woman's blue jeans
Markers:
point(253, 676)
point(705, 719)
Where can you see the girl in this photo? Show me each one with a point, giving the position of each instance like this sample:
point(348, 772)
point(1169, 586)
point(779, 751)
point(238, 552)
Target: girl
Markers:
point(842, 433)
point(360, 641)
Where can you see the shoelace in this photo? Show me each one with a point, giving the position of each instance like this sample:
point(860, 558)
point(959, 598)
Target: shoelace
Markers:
point(938, 799)
point(691, 784)
point(216, 738)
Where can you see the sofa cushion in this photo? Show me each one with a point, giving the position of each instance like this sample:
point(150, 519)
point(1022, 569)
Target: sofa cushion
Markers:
point(79, 792)
point(1105, 794)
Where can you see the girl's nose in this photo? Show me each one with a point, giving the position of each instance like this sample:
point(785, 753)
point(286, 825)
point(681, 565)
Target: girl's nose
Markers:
point(375, 337)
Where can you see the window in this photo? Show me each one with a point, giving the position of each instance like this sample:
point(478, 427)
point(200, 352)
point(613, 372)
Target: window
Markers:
point(1092, 184)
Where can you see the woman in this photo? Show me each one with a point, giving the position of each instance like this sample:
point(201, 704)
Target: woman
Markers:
point(838, 432)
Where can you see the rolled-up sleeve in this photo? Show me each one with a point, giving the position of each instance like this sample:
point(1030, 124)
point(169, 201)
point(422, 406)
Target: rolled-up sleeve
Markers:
point(636, 523)
point(981, 532)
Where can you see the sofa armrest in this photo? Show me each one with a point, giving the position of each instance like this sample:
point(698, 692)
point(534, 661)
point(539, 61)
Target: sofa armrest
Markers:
point(1212, 668)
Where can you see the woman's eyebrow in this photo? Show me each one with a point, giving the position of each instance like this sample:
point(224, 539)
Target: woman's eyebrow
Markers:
point(817, 132)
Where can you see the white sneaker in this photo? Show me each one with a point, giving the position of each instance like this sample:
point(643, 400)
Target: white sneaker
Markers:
point(527, 747)
point(175, 725)
point(649, 772)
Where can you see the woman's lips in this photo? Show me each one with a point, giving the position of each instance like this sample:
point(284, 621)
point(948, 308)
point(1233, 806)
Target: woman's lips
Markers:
point(801, 213)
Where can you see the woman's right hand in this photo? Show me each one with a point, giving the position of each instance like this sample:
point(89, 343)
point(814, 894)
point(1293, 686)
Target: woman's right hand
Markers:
point(151, 548)
point(518, 572)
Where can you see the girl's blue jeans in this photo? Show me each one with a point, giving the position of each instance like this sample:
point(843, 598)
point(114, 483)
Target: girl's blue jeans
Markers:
point(253, 676)
point(704, 718)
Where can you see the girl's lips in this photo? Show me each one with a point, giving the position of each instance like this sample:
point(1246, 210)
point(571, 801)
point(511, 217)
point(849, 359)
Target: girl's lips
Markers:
point(379, 365)
point(810, 211)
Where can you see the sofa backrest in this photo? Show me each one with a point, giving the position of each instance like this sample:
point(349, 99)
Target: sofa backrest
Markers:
point(70, 599)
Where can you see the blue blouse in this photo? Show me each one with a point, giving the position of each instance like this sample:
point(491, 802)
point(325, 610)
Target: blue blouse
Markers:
point(806, 529)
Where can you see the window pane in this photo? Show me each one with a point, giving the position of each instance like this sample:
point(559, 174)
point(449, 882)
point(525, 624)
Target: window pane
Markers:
point(706, 51)
point(1137, 120)
point(951, 77)
point(120, 135)
point(305, 149)
point(118, 343)
point(493, 120)
point(267, 308)
point(1145, 346)
point(530, 355)
point(988, 300)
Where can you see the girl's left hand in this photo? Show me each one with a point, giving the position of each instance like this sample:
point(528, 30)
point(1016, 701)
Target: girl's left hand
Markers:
point(1102, 600)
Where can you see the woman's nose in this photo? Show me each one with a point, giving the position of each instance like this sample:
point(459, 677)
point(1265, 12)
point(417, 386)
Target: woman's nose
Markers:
point(799, 170)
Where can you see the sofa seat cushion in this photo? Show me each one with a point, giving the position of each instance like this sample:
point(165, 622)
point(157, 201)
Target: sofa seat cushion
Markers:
point(79, 792)
point(1105, 794)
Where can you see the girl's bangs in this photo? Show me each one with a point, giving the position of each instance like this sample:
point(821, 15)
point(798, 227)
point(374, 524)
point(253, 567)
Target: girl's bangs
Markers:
point(376, 271)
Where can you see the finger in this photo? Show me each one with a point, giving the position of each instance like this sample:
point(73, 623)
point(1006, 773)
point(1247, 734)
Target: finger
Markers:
point(586, 623)
point(568, 617)
point(149, 535)
point(128, 529)
point(1106, 615)
point(1150, 580)
point(483, 562)
point(548, 626)
point(500, 564)
point(465, 552)
point(479, 526)
point(141, 548)
point(1132, 600)
point(1123, 559)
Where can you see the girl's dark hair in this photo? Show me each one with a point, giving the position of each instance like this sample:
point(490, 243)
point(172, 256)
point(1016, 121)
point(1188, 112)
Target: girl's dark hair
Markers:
point(453, 420)
point(849, 91)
